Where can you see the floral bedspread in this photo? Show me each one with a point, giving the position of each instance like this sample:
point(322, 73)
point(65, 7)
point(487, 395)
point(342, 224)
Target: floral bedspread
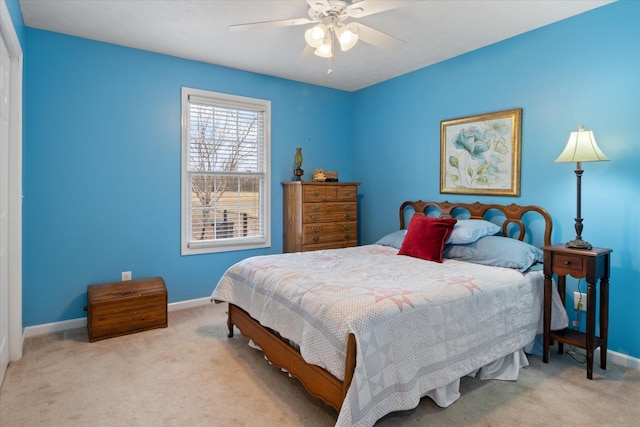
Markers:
point(419, 325)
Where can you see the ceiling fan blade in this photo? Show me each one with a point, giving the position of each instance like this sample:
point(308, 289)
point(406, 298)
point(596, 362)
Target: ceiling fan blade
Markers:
point(376, 38)
point(270, 24)
point(369, 7)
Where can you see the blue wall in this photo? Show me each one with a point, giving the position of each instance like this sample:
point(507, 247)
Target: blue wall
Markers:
point(584, 70)
point(102, 166)
point(102, 147)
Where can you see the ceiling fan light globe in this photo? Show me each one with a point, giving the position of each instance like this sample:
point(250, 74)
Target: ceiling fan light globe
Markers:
point(346, 38)
point(315, 35)
point(324, 51)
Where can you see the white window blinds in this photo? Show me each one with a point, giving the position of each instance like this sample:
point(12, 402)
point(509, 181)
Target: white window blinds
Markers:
point(226, 179)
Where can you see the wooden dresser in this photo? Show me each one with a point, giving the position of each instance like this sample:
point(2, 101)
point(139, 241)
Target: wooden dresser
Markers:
point(320, 215)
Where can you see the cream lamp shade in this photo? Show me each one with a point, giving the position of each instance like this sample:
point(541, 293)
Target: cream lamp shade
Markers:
point(581, 147)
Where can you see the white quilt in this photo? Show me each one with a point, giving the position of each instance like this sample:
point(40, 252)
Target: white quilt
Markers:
point(419, 325)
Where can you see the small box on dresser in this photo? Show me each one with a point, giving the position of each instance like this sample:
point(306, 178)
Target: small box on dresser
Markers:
point(120, 308)
point(320, 215)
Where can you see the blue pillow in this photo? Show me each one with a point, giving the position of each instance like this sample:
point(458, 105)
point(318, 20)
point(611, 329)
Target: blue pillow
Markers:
point(393, 239)
point(497, 251)
point(469, 230)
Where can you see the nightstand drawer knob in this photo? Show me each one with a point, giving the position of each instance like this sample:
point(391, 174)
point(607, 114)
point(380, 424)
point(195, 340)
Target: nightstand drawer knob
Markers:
point(316, 208)
point(567, 262)
point(316, 238)
point(315, 217)
point(316, 193)
point(316, 229)
point(347, 226)
point(347, 215)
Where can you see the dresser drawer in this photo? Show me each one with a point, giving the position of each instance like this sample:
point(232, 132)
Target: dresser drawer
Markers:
point(324, 193)
point(325, 212)
point(330, 227)
point(318, 193)
point(347, 193)
point(330, 232)
point(568, 262)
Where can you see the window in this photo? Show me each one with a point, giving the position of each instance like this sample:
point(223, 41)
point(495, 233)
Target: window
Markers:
point(225, 172)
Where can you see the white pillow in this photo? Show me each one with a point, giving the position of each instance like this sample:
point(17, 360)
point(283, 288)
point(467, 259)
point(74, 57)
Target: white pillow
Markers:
point(469, 230)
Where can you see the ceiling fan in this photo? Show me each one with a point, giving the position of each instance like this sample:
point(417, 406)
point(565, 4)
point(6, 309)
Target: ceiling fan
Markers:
point(335, 22)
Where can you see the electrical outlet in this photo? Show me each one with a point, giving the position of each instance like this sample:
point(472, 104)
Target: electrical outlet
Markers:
point(581, 299)
point(126, 275)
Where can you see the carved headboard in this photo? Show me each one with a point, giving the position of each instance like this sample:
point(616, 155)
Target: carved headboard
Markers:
point(513, 224)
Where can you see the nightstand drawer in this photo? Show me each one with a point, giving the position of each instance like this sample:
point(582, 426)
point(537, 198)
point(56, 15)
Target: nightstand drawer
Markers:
point(568, 262)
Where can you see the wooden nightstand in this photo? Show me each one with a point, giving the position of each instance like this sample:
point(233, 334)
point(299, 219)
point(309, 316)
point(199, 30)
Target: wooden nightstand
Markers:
point(590, 264)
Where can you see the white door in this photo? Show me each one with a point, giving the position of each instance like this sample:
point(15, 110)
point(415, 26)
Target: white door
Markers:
point(4, 207)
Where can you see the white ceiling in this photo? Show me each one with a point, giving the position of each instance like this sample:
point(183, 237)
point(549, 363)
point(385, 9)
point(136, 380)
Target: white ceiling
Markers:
point(434, 30)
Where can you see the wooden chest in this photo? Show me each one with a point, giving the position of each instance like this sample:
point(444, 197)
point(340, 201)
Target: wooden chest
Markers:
point(320, 215)
point(121, 308)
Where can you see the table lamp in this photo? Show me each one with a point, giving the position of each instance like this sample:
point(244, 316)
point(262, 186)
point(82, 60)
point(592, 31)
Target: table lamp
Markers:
point(581, 147)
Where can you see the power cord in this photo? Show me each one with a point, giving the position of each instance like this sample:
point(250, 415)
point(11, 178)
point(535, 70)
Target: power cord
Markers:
point(573, 353)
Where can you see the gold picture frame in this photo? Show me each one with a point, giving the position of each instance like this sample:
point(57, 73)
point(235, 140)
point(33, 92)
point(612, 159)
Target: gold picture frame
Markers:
point(481, 154)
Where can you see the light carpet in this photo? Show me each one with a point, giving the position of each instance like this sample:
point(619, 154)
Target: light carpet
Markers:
point(191, 374)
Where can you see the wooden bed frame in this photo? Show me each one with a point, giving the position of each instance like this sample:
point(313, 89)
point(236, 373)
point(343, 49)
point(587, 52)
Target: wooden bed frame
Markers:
point(317, 381)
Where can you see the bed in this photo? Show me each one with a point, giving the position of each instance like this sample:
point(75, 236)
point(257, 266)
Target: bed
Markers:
point(372, 329)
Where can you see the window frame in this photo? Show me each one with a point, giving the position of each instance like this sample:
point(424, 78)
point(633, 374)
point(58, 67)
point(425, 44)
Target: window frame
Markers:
point(189, 247)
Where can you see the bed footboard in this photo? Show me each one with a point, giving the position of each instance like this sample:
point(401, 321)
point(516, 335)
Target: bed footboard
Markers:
point(317, 381)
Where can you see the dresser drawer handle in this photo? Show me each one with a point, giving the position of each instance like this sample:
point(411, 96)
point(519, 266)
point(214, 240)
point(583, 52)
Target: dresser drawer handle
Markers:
point(347, 192)
point(347, 226)
point(316, 229)
point(347, 235)
point(347, 215)
point(347, 207)
point(315, 208)
point(315, 217)
point(316, 238)
point(316, 193)
point(567, 263)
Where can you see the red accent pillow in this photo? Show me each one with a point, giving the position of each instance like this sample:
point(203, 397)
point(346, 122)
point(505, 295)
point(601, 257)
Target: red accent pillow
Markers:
point(426, 237)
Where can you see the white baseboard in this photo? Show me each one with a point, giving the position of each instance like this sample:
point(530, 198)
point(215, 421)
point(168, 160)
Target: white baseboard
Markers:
point(614, 357)
point(623, 360)
point(81, 322)
point(188, 304)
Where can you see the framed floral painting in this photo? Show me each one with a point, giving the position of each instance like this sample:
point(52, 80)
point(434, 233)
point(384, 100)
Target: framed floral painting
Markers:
point(481, 154)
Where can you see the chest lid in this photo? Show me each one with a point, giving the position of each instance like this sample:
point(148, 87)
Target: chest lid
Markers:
point(126, 289)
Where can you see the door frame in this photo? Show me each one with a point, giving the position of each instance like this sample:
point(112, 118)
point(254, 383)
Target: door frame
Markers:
point(15, 185)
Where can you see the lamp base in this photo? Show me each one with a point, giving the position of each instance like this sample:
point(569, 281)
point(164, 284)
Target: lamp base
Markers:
point(578, 243)
point(297, 172)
